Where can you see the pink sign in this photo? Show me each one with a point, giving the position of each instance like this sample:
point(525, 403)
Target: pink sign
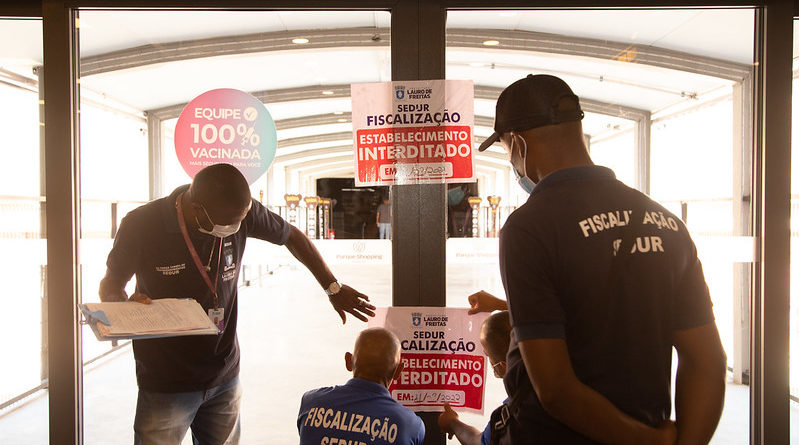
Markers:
point(442, 357)
point(416, 154)
point(226, 126)
point(413, 132)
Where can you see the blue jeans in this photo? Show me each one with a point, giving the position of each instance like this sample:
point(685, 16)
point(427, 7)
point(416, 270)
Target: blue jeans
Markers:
point(163, 418)
point(385, 230)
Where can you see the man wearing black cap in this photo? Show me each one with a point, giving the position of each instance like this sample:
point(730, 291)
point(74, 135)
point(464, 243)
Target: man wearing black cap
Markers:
point(601, 283)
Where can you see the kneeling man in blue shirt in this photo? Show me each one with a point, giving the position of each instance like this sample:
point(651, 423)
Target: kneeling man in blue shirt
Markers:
point(361, 411)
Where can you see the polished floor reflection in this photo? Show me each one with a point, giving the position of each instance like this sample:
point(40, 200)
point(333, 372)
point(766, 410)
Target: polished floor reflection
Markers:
point(292, 341)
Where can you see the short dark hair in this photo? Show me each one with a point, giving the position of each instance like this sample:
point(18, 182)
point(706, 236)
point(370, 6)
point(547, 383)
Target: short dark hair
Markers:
point(221, 185)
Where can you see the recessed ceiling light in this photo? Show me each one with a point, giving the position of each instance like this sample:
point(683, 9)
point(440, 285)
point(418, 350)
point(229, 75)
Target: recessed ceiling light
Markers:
point(300, 40)
point(338, 112)
point(328, 93)
point(341, 120)
point(491, 42)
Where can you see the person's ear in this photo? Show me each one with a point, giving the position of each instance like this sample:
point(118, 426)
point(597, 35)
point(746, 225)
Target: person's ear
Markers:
point(398, 371)
point(515, 144)
point(348, 361)
point(196, 206)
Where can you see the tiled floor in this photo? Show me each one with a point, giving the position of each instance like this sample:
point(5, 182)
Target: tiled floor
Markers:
point(291, 341)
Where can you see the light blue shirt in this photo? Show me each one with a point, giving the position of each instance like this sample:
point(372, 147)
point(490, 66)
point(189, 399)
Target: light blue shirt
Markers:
point(358, 412)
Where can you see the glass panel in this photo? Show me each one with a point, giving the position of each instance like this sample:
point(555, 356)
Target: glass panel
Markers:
point(794, 342)
point(697, 166)
point(23, 401)
point(616, 151)
point(299, 64)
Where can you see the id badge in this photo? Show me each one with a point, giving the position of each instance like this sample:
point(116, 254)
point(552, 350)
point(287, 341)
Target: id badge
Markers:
point(217, 317)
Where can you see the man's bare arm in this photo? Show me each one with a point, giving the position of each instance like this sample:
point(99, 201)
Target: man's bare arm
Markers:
point(114, 290)
point(450, 424)
point(577, 405)
point(347, 300)
point(303, 249)
point(701, 378)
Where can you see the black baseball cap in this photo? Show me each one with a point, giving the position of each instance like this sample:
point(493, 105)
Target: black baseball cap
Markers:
point(530, 103)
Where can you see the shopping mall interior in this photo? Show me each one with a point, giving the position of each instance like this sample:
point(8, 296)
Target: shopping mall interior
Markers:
point(689, 102)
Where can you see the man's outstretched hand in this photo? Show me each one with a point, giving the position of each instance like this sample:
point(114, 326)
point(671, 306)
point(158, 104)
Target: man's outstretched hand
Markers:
point(446, 419)
point(352, 301)
point(482, 301)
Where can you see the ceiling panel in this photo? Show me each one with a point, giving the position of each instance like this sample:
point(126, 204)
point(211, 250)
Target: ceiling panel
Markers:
point(180, 81)
point(720, 33)
point(113, 30)
point(20, 44)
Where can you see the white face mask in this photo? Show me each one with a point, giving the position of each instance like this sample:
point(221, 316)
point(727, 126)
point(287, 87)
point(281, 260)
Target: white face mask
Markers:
point(525, 183)
point(218, 231)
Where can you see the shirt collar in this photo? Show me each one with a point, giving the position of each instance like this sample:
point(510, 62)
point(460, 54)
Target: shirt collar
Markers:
point(367, 385)
point(581, 173)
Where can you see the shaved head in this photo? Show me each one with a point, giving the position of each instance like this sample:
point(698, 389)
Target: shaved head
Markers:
point(376, 355)
point(221, 186)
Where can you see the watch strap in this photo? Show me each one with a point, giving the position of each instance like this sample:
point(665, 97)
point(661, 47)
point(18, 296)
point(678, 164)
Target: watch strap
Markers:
point(334, 285)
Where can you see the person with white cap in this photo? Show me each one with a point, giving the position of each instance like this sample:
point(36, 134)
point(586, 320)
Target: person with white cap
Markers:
point(601, 282)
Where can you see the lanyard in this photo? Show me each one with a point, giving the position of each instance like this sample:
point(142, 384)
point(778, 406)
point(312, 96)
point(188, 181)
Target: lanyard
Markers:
point(196, 257)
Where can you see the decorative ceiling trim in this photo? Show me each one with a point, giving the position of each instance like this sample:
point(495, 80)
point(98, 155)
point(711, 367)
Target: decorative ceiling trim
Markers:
point(233, 45)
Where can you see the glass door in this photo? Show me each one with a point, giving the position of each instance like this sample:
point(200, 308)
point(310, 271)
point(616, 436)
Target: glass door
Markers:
point(139, 69)
point(23, 395)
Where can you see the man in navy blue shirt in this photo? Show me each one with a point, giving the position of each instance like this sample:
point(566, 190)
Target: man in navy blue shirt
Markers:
point(601, 282)
point(190, 244)
point(361, 411)
point(495, 338)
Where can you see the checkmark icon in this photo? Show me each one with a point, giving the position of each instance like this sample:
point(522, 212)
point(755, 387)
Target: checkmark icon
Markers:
point(250, 114)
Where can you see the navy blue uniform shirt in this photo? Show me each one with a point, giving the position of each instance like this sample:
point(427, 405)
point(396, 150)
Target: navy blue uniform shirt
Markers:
point(359, 412)
point(556, 256)
point(485, 437)
point(150, 245)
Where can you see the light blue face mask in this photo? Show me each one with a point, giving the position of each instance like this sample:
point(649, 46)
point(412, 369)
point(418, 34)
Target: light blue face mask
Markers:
point(525, 183)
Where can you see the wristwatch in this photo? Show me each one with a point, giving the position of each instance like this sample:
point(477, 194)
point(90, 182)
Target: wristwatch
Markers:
point(333, 289)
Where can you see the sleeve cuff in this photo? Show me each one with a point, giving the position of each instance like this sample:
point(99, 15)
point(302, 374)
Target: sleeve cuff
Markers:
point(113, 274)
point(539, 330)
point(694, 323)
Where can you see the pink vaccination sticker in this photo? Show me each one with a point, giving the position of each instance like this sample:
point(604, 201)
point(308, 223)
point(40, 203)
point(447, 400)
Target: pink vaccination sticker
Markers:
point(226, 126)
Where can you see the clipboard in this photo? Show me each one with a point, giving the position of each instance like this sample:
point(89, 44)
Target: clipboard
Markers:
point(166, 317)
